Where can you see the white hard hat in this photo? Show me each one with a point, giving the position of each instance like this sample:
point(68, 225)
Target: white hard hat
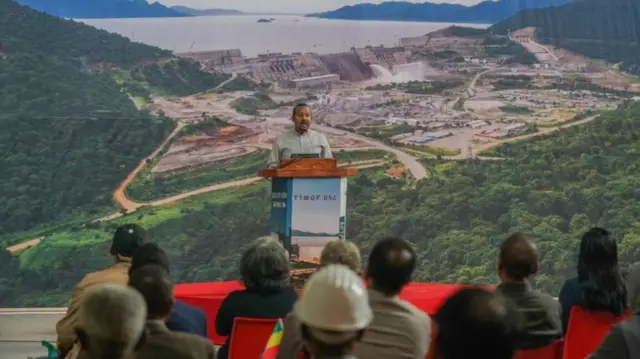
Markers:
point(336, 300)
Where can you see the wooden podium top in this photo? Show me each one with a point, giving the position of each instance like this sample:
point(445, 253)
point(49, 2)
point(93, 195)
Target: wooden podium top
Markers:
point(308, 168)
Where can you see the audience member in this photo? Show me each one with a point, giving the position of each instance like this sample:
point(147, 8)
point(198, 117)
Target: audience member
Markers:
point(475, 323)
point(184, 317)
point(156, 287)
point(126, 240)
point(265, 273)
point(334, 312)
point(110, 323)
point(633, 287)
point(622, 342)
point(399, 329)
point(518, 261)
point(335, 252)
point(599, 285)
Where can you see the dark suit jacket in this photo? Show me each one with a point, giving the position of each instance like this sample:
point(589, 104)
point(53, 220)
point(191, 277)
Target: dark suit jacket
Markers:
point(540, 312)
point(249, 304)
point(570, 296)
point(187, 318)
point(623, 342)
point(162, 343)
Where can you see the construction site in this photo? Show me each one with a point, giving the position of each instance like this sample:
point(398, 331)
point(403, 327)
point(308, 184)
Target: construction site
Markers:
point(237, 139)
point(460, 99)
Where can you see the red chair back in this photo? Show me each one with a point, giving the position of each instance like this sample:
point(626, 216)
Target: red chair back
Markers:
point(586, 331)
point(551, 351)
point(249, 337)
point(210, 306)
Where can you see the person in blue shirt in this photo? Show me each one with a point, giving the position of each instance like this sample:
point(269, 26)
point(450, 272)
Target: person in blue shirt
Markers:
point(599, 285)
point(184, 317)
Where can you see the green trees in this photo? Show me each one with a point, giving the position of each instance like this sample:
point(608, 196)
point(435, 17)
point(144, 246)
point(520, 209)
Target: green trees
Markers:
point(586, 27)
point(67, 139)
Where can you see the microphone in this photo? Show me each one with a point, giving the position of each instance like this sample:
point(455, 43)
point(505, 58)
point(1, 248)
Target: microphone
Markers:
point(323, 151)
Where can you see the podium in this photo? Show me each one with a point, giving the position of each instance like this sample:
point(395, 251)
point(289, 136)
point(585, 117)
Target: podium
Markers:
point(308, 204)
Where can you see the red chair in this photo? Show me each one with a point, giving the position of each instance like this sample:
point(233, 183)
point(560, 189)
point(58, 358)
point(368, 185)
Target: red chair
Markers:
point(249, 337)
point(586, 331)
point(551, 351)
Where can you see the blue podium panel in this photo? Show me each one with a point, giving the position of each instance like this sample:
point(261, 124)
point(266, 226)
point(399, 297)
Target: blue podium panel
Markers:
point(308, 213)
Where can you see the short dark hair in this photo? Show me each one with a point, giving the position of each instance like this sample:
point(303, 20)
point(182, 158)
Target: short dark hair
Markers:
point(391, 265)
point(518, 257)
point(127, 239)
point(156, 286)
point(150, 253)
point(477, 323)
point(296, 107)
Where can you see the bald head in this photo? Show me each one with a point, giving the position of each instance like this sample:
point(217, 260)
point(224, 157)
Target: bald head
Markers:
point(391, 265)
point(518, 258)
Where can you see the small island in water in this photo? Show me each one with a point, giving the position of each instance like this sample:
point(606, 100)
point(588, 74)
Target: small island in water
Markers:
point(266, 20)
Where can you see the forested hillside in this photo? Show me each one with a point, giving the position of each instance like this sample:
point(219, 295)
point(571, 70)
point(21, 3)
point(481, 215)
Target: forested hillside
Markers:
point(587, 27)
point(102, 9)
point(69, 135)
point(554, 188)
point(24, 29)
point(67, 139)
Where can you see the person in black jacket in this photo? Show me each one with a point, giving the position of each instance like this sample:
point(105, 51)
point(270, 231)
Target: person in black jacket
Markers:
point(265, 273)
point(599, 285)
point(184, 317)
point(517, 263)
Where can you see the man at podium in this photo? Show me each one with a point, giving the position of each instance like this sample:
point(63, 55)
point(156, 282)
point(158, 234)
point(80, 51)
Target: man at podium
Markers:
point(300, 141)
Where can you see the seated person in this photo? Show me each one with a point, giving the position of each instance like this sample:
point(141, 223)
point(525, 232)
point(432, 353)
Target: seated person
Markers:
point(110, 323)
point(300, 140)
point(126, 240)
point(599, 285)
point(399, 329)
point(334, 313)
point(265, 273)
point(518, 261)
point(622, 342)
point(156, 287)
point(475, 323)
point(184, 317)
point(335, 252)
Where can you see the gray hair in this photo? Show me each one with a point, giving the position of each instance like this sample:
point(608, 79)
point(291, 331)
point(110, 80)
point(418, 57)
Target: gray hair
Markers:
point(341, 252)
point(113, 318)
point(264, 266)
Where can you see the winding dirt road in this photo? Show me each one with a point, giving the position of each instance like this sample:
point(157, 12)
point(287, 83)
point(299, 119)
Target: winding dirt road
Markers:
point(118, 194)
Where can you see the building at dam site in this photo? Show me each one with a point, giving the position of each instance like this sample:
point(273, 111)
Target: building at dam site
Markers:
point(315, 81)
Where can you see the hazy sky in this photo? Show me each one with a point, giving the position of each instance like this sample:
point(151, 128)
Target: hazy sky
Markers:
point(316, 216)
point(286, 6)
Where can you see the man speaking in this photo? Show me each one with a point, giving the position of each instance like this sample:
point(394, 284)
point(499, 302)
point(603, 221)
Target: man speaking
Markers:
point(300, 141)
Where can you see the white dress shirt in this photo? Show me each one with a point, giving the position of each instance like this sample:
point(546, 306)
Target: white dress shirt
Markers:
point(296, 143)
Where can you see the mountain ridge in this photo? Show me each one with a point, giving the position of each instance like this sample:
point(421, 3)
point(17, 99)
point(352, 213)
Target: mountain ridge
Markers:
point(586, 27)
point(484, 12)
point(206, 12)
point(102, 9)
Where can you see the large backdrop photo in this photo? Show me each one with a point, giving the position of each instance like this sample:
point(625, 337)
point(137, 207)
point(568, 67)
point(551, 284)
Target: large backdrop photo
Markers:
point(465, 121)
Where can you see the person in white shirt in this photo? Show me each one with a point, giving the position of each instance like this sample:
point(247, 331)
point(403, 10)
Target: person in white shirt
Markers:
point(300, 140)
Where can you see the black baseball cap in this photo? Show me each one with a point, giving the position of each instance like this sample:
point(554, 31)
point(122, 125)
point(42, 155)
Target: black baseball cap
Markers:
point(127, 239)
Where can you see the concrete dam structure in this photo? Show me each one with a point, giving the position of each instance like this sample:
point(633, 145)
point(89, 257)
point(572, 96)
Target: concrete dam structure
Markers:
point(348, 65)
